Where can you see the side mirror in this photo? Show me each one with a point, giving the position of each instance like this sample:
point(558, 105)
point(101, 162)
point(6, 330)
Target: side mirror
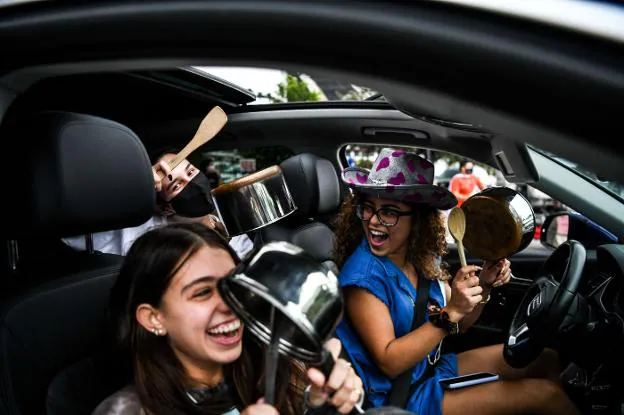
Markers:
point(562, 226)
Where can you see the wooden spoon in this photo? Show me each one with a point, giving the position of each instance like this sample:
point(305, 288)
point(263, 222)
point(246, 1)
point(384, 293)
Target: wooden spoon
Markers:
point(208, 129)
point(457, 227)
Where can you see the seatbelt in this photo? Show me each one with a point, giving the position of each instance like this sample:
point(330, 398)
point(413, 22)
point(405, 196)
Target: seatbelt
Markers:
point(401, 385)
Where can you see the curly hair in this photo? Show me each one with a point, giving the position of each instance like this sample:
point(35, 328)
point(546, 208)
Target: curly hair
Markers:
point(427, 242)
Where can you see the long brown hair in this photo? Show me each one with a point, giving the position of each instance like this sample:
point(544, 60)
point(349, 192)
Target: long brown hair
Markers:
point(160, 378)
point(427, 241)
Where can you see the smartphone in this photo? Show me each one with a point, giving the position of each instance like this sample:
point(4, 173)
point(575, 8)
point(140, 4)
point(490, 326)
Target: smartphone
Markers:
point(468, 380)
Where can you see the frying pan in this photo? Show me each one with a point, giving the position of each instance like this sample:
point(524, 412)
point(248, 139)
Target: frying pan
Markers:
point(500, 222)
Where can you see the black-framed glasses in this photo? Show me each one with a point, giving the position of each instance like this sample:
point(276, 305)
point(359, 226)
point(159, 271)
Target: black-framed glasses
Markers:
point(386, 216)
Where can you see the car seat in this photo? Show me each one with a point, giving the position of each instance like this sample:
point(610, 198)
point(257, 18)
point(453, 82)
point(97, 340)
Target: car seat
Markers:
point(75, 174)
point(315, 188)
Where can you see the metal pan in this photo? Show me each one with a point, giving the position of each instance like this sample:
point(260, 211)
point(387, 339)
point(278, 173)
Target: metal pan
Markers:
point(500, 222)
point(253, 201)
point(289, 302)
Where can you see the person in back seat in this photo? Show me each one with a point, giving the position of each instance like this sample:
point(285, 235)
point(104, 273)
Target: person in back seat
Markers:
point(190, 352)
point(181, 194)
point(400, 306)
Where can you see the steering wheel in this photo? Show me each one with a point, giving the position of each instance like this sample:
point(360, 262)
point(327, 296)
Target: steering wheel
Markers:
point(545, 304)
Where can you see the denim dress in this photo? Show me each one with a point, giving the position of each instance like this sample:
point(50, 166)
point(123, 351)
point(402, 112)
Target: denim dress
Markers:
point(390, 285)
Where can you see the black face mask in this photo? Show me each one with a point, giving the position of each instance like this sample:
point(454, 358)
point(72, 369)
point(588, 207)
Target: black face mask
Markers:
point(468, 171)
point(195, 200)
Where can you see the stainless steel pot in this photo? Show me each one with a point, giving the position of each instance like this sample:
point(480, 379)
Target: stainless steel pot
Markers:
point(253, 201)
point(282, 292)
point(499, 223)
point(288, 301)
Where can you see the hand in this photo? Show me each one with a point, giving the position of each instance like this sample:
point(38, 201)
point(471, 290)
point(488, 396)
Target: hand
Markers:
point(465, 293)
point(343, 385)
point(260, 408)
point(160, 170)
point(496, 273)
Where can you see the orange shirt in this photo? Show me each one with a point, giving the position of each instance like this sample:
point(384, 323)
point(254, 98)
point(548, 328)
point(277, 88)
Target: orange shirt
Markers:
point(464, 185)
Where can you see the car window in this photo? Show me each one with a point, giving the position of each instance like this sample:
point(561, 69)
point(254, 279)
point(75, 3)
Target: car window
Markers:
point(446, 165)
point(614, 188)
point(233, 164)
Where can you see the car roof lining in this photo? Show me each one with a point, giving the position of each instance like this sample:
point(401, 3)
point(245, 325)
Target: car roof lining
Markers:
point(475, 67)
point(292, 126)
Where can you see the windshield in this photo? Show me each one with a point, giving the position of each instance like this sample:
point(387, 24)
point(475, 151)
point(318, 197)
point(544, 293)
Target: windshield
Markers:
point(615, 188)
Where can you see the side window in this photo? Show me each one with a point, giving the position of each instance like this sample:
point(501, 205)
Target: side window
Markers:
point(225, 166)
point(446, 165)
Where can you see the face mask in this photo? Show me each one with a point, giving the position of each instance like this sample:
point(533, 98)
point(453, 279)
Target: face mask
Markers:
point(468, 171)
point(195, 200)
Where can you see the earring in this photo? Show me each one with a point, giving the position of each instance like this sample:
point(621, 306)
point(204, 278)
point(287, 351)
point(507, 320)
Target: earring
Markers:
point(158, 332)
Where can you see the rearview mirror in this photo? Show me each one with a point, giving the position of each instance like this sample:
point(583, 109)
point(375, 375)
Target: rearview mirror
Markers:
point(562, 226)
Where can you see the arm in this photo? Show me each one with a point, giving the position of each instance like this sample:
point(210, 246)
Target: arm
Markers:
point(479, 183)
point(371, 320)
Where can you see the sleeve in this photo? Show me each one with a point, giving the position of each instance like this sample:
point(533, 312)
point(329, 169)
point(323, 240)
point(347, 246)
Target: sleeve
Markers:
point(242, 244)
point(368, 274)
point(123, 402)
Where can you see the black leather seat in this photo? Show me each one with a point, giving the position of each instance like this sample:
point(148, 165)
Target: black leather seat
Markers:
point(77, 174)
point(315, 187)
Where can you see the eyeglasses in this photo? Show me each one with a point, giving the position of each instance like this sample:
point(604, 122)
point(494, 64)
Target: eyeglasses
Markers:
point(386, 216)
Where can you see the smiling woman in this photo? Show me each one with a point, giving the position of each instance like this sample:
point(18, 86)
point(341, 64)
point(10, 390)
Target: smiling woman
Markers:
point(190, 352)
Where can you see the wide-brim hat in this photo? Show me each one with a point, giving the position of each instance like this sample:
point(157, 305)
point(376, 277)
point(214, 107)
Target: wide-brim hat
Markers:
point(400, 175)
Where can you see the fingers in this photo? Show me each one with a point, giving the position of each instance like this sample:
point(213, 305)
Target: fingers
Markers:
point(344, 390)
point(467, 271)
point(317, 395)
point(465, 282)
point(338, 375)
point(349, 394)
point(472, 291)
point(504, 275)
point(260, 409)
point(344, 386)
point(316, 377)
point(334, 346)
point(157, 180)
point(160, 170)
point(502, 280)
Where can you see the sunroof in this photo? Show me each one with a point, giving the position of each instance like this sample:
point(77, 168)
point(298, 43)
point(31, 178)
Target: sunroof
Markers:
point(277, 86)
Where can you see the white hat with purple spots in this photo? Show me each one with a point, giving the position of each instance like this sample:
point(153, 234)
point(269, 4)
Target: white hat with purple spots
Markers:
point(400, 175)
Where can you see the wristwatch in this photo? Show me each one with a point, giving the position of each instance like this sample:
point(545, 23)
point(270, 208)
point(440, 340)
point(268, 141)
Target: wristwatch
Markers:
point(443, 321)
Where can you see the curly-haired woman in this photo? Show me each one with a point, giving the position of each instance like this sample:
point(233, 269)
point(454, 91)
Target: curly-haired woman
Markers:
point(390, 238)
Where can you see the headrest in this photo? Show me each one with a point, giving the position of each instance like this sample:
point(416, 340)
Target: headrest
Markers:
point(74, 174)
point(313, 183)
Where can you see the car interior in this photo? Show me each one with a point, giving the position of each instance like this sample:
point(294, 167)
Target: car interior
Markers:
point(80, 112)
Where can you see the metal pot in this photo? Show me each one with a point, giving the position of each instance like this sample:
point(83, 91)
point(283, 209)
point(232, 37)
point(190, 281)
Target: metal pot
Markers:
point(253, 201)
point(281, 291)
point(499, 223)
